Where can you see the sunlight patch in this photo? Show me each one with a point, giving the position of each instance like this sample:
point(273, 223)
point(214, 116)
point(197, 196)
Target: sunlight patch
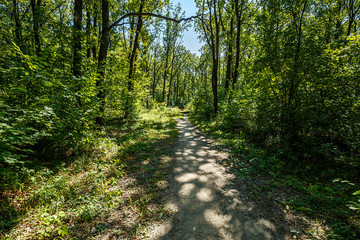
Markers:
point(186, 189)
point(205, 195)
point(217, 220)
point(187, 177)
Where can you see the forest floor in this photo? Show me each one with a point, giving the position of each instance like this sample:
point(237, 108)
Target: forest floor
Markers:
point(156, 178)
point(111, 189)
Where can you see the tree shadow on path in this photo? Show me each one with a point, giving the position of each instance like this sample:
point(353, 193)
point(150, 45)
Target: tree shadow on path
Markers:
point(210, 203)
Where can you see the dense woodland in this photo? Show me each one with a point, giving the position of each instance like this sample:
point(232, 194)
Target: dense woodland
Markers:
point(278, 75)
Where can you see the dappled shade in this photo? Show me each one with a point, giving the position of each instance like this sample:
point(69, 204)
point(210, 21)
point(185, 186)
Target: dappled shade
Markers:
point(207, 201)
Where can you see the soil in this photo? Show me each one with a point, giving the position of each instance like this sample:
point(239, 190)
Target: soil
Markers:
point(209, 202)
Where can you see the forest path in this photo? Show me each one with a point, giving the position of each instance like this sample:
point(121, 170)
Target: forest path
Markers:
point(208, 202)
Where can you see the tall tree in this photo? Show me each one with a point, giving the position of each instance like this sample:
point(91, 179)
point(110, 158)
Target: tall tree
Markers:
point(36, 18)
point(104, 45)
point(77, 33)
point(17, 24)
point(239, 12)
point(135, 44)
point(210, 24)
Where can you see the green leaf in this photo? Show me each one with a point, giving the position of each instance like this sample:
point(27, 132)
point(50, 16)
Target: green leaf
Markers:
point(63, 231)
point(357, 192)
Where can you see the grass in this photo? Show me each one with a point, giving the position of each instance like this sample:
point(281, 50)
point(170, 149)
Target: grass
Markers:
point(323, 195)
point(112, 190)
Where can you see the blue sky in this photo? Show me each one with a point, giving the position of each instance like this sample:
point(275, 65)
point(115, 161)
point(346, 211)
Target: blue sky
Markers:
point(190, 40)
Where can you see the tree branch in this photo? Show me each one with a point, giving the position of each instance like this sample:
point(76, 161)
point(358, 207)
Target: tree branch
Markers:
point(116, 23)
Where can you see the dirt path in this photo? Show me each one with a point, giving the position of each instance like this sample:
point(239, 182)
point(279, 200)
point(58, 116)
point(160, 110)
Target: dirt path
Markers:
point(207, 201)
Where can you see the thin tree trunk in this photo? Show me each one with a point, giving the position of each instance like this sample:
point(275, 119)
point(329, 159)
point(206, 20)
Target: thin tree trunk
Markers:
point(132, 59)
point(295, 77)
point(104, 44)
point(35, 8)
point(88, 32)
point(77, 58)
point(133, 54)
point(165, 73)
point(154, 75)
point(18, 35)
point(215, 56)
point(94, 47)
point(171, 76)
point(238, 14)
point(177, 89)
point(229, 56)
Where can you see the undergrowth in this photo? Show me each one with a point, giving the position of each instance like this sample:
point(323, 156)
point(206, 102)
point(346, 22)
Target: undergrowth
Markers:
point(111, 190)
point(329, 194)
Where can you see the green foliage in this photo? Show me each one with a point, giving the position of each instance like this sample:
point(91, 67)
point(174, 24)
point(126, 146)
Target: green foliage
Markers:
point(309, 188)
point(51, 191)
point(125, 173)
point(40, 113)
point(201, 104)
point(287, 88)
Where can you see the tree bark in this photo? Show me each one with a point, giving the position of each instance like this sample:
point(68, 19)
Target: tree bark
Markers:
point(229, 56)
point(238, 14)
point(18, 35)
point(35, 8)
point(133, 54)
point(177, 89)
point(215, 55)
point(88, 31)
point(171, 76)
point(155, 71)
point(132, 60)
point(94, 45)
point(77, 58)
point(104, 44)
point(165, 73)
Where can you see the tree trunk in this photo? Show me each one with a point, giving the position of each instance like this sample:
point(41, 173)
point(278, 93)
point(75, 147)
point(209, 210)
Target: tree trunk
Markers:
point(132, 59)
point(229, 56)
point(214, 76)
point(165, 73)
point(291, 127)
point(35, 8)
point(133, 54)
point(88, 32)
point(177, 89)
point(214, 81)
point(295, 76)
point(238, 14)
point(154, 75)
point(94, 45)
point(164, 86)
point(104, 44)
point(77, 58)
point(170, 79)
point(18, 36)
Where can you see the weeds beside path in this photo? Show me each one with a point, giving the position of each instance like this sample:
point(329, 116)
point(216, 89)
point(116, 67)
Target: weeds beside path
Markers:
point(111, 192)
point(314, 198)
point(117, 189)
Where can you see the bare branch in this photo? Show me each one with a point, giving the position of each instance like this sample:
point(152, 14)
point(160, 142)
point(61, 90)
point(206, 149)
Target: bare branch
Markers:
point(116, 23)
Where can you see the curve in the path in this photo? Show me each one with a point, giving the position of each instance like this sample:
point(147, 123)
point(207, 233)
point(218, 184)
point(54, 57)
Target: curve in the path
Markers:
point(207, 203)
